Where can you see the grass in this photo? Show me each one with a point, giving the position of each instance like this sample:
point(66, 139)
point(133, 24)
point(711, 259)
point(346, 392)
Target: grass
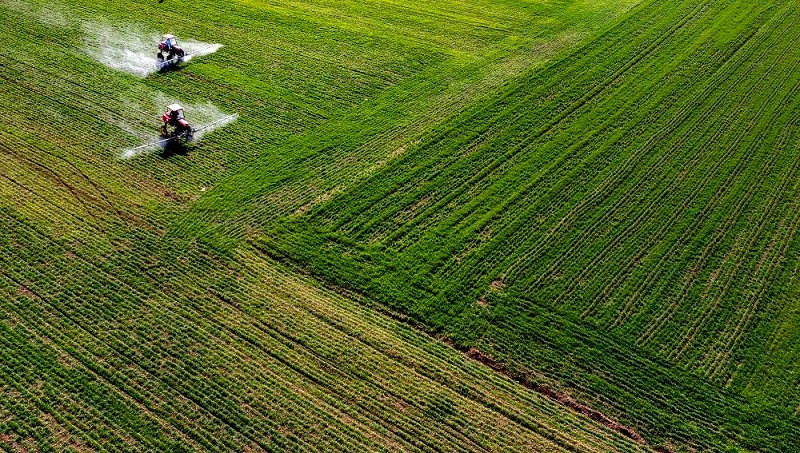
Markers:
point(275, 361)
point(596, 198)
point(621, 219)
point(119, 334)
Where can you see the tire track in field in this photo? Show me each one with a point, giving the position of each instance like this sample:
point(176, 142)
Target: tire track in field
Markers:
point(59, 180)
point(273, 331)
point(729, 340)
point(650, 331)
point(47, 340)
point(64, 315)
point(72, 165)
point(720, 233)
point(621, 316)
point(91, 367)
point(189, 320)
point(518, 194)
point(444, 137)
point(80, 89)
point(490, 169)
point(611, 181)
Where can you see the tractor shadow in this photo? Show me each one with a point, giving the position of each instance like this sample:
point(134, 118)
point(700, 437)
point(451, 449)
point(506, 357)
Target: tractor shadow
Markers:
point(174, 148)
point(174, 67)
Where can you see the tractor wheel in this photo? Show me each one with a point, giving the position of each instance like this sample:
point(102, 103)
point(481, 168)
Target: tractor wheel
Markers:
point(160, 57)
point(180, 52)
point(163, 130)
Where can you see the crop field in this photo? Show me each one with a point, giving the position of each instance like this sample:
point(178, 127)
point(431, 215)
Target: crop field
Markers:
point(502, 225)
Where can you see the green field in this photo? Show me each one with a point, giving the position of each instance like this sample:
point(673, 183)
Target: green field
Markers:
point(490, 225)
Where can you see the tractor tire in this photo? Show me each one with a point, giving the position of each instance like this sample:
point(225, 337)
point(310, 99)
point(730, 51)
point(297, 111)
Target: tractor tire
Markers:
point(163, 131)
point(160, 57)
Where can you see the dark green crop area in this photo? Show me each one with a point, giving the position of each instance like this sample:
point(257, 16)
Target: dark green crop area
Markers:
point(598, 199)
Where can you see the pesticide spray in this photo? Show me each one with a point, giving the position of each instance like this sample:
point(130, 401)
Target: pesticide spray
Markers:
point(207, 116)
point(133, 50)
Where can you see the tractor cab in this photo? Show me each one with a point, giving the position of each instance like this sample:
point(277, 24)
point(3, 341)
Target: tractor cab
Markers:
point(169, 42)
point(174, 113)
point(169, 51)
point(174, 122)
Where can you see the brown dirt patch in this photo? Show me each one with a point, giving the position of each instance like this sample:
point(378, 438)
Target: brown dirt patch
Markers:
point(497, 284)
point(24, 291)
point(560, 398)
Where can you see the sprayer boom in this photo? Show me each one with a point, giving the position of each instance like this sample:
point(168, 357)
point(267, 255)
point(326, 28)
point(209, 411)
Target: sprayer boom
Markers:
point(213, 123)
point(186, 134)
point(176, 59)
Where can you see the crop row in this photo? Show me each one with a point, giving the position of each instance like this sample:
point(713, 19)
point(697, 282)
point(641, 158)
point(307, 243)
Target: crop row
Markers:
point(146, 350)
point(639, 187)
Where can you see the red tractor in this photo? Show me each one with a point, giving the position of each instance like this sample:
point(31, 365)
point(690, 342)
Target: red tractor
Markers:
point(175, 125)
point(169, 50)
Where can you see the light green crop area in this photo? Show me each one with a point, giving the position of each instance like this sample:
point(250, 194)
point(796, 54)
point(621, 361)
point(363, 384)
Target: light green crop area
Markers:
point(596, 198)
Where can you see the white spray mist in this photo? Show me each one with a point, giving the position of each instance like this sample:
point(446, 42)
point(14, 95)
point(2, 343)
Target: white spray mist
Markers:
point(134, 50)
